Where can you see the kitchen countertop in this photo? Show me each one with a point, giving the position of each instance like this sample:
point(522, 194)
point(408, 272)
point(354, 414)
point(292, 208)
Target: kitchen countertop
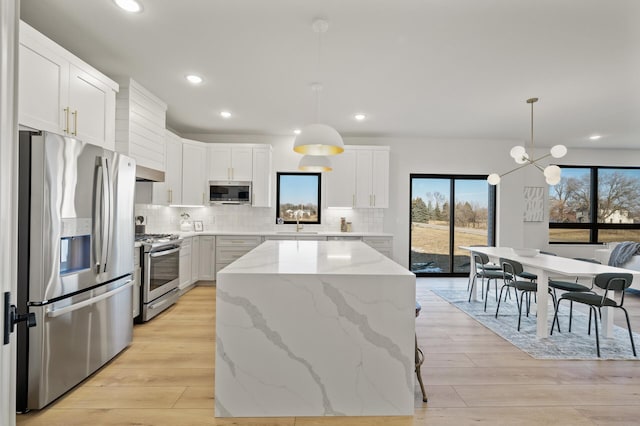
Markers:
point(285, 233)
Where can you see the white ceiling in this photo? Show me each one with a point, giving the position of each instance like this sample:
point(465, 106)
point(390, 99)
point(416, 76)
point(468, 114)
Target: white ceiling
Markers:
point(417, 68)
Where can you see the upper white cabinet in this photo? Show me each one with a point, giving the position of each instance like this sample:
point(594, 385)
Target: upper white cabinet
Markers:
point(227, 163)
point(261, 177)
point(360, 178)
point(140, 125)
point(372, 178)
point(341, 181)
point(60, 93)
point(170, 191)
point(194, 177)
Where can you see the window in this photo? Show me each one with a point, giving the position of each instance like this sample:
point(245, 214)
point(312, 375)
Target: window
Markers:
point(595, 205)
point(447, 212)
point(298, 198)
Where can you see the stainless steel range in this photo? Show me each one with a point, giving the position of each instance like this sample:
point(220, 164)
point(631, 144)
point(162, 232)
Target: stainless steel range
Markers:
point(160, 273)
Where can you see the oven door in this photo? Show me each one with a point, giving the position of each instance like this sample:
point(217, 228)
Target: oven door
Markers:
point(162, 272)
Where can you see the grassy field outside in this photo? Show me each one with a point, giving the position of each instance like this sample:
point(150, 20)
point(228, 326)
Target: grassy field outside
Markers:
point(430, 246)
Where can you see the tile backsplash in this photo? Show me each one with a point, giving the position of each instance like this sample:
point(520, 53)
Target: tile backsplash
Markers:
point(160, 219)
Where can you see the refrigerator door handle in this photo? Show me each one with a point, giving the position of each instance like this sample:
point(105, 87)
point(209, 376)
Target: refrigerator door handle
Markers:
point(109, 213)
point(104, 212)
point(76, 306)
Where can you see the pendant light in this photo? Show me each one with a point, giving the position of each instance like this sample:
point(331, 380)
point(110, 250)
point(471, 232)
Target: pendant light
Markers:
point(315, 163)
point(318, 139)
point(551, 173)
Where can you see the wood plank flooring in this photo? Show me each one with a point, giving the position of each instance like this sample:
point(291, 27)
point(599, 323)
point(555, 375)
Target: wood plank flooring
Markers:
point(472, 376)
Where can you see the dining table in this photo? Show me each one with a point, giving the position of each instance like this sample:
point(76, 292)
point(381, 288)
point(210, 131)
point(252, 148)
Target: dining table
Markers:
point(544, 266)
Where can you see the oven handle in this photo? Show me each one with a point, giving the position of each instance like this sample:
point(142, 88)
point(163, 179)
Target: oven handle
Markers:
point(163, 252)
point(165, 300)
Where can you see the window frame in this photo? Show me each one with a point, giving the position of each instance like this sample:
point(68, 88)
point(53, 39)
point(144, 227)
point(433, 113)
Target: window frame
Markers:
point(593, 226)
point(491, 220)
point(306, 222)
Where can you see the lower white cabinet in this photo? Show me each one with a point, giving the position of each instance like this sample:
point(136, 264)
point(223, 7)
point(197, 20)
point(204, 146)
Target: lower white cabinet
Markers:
point(231, 247)
point(195, 258)
point(185, 263)
point(207, 258)
point(383, 244)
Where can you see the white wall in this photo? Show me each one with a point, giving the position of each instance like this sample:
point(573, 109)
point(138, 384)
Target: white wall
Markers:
point(454, 156)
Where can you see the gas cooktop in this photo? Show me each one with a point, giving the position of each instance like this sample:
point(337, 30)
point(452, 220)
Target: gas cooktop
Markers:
point(156, 238)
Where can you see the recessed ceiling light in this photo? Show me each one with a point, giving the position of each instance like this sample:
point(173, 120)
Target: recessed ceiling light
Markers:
point(360, 116)
point(225, 114)
point(595, 137)
point(129, 5)
point(194, 79)
point(297, 131)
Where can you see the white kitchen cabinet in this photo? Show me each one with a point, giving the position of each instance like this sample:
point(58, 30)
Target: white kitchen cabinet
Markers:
point(195, 258)
point(372, 178)
point(60, 93)
point(261, 177)
point(232, 247)
point(383, 244)
point(340, 183)
point(170, 191)
point(228, 163)
point(207, 258)
point(194, 183)
point(185, 263)
point(140, 125)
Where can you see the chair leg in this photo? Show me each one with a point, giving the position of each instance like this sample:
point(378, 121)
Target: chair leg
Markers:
point(633, 346)
point(595, 323)
point(571, 314)
point(520, 308)
point(473, 285)
point(555, 307)
point(555, 318)
point(419, 360)
point(500, 298)
point(589, 328)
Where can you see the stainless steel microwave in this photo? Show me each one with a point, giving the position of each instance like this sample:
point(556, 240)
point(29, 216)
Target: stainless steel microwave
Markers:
point(229, 192)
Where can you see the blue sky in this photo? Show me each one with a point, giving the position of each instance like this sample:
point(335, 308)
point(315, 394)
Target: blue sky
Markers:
point(298, 189)
point(466, 190)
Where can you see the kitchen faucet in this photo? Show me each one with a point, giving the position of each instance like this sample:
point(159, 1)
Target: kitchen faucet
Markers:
point(298, 226)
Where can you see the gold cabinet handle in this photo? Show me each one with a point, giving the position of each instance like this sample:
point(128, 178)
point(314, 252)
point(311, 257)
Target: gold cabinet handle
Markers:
point(374, 200)
point(75, 123)
point(66, 126)
point(170, 195)
point(353, 200)
point(203, 198)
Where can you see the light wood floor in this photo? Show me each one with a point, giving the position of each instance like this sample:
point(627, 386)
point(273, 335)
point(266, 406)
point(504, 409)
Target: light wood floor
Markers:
point(472, 377)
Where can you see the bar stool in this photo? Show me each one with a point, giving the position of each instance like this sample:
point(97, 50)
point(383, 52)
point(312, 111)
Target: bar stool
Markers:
point(419, 358)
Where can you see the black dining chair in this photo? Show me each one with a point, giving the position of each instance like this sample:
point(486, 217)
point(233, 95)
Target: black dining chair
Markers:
point(512, 270)
point(569, 286)
point(485, 270)
point(609, 282)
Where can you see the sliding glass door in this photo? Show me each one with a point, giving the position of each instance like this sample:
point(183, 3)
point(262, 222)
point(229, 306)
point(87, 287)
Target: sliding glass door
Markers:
point(448, 211)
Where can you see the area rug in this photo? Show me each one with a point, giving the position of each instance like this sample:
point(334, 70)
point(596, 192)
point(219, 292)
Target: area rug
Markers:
point(575, 345)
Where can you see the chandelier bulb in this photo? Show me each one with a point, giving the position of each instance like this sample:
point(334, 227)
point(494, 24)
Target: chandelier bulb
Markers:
point(493, 179)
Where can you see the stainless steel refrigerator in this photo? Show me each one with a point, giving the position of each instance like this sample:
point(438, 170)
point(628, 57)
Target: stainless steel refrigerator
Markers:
point(75, 262)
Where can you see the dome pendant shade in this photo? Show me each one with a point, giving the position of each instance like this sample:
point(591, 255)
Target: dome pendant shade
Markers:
point(318, 139)
point(315, 163)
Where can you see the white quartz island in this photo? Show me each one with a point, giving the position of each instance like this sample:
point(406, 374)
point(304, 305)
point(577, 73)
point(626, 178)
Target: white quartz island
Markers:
point(314, 328)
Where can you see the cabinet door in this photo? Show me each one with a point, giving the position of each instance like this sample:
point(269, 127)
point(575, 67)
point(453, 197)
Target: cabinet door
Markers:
point(241, 164)
point(341, 181)
point(207, 258)
point(92, 109)
point(364, 193)
point(219, 163)
point(194, 180)
point(170, 191)
point(42, 90)
point(261, 177)
point(195, 259)
point(380, 179)
point(185, 263)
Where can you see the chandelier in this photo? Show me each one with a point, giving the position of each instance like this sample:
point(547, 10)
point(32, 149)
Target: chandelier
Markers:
point(551, 173)
point(318, 140)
